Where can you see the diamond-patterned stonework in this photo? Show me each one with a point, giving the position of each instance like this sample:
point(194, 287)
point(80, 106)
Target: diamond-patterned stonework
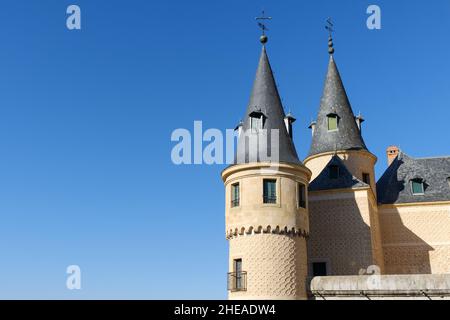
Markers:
point(275, 264)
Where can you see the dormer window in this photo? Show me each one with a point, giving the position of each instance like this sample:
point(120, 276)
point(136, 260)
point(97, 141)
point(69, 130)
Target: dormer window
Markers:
point(334, 171)
point(417, 186)
point(257, 119)
point(448, 181)
point(332, 121)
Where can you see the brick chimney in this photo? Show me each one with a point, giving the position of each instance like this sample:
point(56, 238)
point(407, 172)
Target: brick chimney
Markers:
point(392, 153)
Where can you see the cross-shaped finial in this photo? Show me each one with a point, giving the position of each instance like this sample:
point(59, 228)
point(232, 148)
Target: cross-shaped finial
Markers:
point(329, 26)
point(263, 26)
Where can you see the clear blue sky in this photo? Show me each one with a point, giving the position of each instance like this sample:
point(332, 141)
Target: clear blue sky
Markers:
point(86, 117)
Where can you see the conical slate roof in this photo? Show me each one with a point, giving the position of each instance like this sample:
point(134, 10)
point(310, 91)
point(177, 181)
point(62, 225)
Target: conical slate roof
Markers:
point(265, 102)
point(335, 101)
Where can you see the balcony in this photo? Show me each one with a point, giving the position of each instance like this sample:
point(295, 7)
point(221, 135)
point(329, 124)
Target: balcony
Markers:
point(270, 199)
point(235, 203)
point(237, 281)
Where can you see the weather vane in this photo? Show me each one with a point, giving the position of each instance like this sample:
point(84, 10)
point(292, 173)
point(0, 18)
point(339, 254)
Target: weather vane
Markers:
point(329, 26)
point(263, 27)
point(330, 29)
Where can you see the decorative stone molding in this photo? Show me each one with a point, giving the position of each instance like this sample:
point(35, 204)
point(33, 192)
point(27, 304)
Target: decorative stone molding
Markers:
point(252, 230)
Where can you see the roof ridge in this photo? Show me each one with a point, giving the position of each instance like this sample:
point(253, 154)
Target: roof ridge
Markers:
point(433, 157)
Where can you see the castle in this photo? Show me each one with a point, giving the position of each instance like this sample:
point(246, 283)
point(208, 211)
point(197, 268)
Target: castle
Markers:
point(325, 218)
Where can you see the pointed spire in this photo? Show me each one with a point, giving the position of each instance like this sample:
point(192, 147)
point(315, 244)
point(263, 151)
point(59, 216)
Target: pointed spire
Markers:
point(265, 104)
point(335, 103)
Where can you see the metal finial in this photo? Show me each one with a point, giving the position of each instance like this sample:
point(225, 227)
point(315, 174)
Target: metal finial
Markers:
point(330, 29)
point(263, 39)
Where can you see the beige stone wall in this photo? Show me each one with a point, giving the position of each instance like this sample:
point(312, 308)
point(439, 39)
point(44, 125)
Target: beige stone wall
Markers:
point(416, 238)
point(275, 265)
point(341, 233)
point(252, 213)
point(269, 238)
point(356, 162)
point(375, 231)
point(382, 287)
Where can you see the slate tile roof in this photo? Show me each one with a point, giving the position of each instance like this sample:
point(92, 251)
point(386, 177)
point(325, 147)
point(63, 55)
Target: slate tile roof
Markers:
point(394, 186)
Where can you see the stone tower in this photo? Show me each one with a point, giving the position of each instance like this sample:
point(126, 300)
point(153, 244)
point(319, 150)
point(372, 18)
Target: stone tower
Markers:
point(343, 205)
point(266, 200)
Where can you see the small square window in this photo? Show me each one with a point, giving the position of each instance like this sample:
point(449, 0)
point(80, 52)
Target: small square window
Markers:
point(334, 172)
point(301, 195)
point(319, 269)
point(235, 195)
point(417, 186)
point(332, 122)
point(270, 191)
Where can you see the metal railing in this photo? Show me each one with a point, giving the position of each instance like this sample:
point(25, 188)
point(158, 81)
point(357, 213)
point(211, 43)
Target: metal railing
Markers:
point(237, 281)
point(235, 202)
point(270, 199)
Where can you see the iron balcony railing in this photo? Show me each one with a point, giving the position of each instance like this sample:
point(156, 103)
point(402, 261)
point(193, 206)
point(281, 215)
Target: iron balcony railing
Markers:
point(237, 281)
point(235, 202)
point(270, 199)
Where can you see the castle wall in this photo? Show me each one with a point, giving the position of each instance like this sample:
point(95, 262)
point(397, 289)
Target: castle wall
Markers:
point(269, 238)
point(382, 287)
point(275, 264)
point(416, 238)
point(252, 213)
point(340, 231)
point(375, 230)
point(356, 162)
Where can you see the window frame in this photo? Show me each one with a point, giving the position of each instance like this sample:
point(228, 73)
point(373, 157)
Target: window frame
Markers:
point(275, 183)
point(234, 203)
point(364, 175)
point(301, 186)
point(258, 118)
point(239, 284)
point(336, 119)
point(417, 181)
